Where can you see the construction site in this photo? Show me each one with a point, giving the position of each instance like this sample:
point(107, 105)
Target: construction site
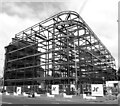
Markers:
point(61, 50)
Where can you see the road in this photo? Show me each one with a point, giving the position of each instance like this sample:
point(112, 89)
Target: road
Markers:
point(10, 99)
point(26, 100)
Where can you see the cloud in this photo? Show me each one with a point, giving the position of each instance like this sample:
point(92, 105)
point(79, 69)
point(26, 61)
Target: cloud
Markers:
point(9, 26)
point(36, 10)
point(17, 16)
point(100, 15)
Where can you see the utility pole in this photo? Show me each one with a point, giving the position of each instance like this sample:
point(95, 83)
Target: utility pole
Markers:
point(75, 67)
point(118, 51)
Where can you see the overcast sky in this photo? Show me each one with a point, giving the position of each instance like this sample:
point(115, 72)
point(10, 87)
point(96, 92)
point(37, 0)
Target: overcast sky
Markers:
point(100, 15)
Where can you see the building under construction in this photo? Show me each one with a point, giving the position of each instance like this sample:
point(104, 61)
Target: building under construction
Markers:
point(60, 50)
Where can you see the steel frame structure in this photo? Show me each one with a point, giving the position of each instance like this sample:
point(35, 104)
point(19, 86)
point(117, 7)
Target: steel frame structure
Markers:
point(59, 50)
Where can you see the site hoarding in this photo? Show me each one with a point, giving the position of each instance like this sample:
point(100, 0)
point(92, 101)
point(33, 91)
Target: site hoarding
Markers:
point(97, 89)
point(55, 89)
point(18, 90)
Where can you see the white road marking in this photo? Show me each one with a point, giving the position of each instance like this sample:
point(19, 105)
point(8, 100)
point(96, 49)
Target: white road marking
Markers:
point(55, 103)
point(6, 103)
point(68, 100)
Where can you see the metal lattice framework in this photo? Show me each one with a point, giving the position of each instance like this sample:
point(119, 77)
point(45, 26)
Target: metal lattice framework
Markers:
point(59, 50)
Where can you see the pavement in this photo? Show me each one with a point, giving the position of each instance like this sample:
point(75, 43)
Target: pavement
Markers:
point(79, 99)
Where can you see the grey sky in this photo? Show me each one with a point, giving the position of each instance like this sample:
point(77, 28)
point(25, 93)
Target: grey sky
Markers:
point(32, 9)
point(100, 15)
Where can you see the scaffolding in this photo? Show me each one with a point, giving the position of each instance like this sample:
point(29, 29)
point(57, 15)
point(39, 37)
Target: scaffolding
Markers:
point(59, 50)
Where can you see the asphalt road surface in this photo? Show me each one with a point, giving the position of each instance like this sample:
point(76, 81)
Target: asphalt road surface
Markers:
point(10, 99)
point(26, 100)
